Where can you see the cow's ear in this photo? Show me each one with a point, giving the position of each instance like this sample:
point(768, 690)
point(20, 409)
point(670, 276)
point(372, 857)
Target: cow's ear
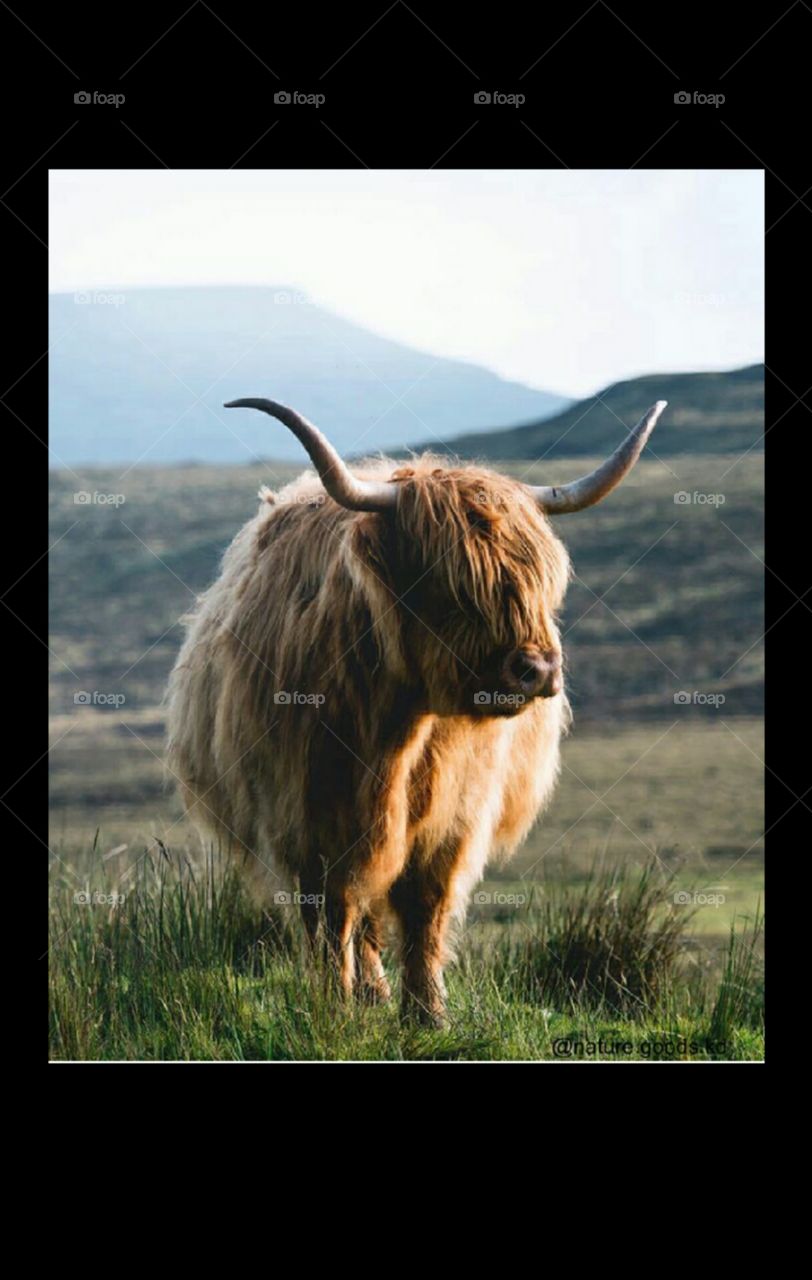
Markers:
point(370, 537)
point(372, 556)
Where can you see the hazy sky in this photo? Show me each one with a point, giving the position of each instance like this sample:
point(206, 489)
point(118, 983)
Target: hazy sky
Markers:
point(564, 279)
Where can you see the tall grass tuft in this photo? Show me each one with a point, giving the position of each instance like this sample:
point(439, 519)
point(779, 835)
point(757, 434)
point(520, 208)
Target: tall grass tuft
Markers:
point(613, 945)
point(740, 999)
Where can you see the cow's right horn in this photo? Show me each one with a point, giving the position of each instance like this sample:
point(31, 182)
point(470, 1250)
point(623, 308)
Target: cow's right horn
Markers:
point(340, 483)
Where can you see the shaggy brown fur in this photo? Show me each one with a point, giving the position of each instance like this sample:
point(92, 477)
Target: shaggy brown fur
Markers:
point(386, 792)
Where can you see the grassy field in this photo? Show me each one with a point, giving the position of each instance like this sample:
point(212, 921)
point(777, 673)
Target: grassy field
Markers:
point(656, 789)
point(171, 962)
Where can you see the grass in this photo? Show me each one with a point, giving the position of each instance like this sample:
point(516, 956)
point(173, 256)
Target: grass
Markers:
point(170, 961)
point(607, 943)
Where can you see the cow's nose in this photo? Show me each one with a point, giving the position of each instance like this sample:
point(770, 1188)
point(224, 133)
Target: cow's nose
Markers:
point(533, 673)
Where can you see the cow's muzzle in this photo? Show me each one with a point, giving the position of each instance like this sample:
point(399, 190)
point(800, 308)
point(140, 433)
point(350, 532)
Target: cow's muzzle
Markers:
point(532, 673)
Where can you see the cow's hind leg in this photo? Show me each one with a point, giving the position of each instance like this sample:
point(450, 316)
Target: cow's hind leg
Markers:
point(372, 985)
point(331, 916)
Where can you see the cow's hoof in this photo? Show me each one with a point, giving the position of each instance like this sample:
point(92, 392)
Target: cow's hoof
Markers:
point(423, 1015)
point(434, 1019)
point(377, 992)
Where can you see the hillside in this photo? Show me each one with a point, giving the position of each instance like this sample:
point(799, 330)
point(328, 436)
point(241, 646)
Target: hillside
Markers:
point(708, 413)
point(141, 376)
point(686, 590)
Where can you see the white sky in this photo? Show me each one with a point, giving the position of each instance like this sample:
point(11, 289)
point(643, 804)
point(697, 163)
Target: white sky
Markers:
point(563, 279)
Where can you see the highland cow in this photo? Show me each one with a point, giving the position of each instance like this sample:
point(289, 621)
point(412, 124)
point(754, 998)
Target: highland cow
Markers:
point(369, 700)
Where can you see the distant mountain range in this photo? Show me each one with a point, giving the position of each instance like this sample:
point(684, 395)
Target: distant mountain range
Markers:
point(707, 413)
point(141, 376)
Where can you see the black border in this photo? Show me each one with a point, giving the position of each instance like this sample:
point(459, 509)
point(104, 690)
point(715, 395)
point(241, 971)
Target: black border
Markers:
point(600, 94)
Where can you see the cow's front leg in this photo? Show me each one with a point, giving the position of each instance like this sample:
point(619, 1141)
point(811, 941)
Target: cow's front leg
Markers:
point(422, 901)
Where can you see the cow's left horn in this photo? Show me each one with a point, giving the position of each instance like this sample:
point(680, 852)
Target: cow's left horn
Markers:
point(340, 483)
point(557, 499)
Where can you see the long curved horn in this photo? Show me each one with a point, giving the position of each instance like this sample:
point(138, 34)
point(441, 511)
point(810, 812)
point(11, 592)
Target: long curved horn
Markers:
point(555, 500)
point(342, 486)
